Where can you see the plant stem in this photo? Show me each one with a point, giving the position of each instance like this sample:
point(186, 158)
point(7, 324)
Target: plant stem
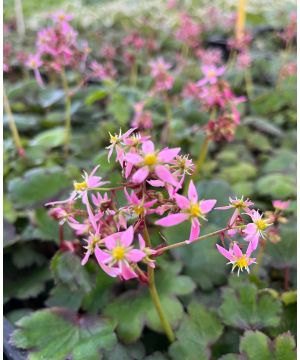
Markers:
point(240, 19)
point(68, 126)
point(286, 278)
point(20, 18)
point(154, 295)
point(249, 83)
point(133, 73)
point(260, 256)
point(167, 129)
point(183, 243)
point(202, 156)
point(12, 124)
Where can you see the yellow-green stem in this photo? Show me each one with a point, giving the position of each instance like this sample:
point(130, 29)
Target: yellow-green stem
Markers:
point(184, 243)
point(133, 73)
point(11, 122)
point(68, 125)
point(167, 130)
point(249, 83)
point(155, 297)
point(260, 256)
point(202, 156)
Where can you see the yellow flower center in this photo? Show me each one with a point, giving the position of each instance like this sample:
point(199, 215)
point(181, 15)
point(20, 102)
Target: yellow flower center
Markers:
point(113, 138)
point(118, 253)
point(261, 224)
point(150, 159)
point(195, 210)
point(211, 74)
point(242, 262)
point(80, 186)
point(139, 210)
point(239, 204)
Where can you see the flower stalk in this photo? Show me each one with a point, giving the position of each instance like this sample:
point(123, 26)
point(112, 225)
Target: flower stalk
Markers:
point(155, 297)
point(68, 125)
point(12, 124)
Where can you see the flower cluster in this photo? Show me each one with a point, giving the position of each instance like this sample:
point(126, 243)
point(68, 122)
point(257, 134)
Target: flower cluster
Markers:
point(57, 47)
point(217, 97)
point(154, 180)
point(159, 71)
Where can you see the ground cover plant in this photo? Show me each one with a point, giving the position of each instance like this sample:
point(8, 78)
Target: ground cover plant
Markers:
point(149, 176)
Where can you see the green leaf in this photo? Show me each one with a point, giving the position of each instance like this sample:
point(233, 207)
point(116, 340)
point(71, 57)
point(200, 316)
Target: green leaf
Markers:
point(284, 253)
point(202, 261)
point(26, 284)
point(197, 332)
point(62, 296)
point(95, 96)
point(134, 309)
point(257, 346)
point(36, 185)
point(27, 255)
point(244, 307)
point(48, 97)
point(67, 269)
point(264, 125)
point(119, 108)
point(58, 334)
point(284, 161)
point(279, 186)
point(130, 352)
point(49, 139)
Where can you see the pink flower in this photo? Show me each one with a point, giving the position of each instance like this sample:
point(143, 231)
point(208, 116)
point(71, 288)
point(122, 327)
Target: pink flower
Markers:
point(34, 62)
point(256, 229)
point(61, 16)
point(138, 206)
point(92, 241)
point(159, 71)
point(211, 74)
point(119, 255)
point(236, 258)
point(150, 160)
point(115, 142)
point(238, 205)
point(89, 182)
point(281, 205)
point(191, 209)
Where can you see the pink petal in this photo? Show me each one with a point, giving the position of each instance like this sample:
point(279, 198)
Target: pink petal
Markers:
point(164, 174)
point(195, 231)
point(148, 147)
point(141, 242)
point(135, 255)
point(139, 176)
point(172, 219)
point(237, 251)
point(101, 255)
point(249, 250)
point(192, 192)
point(128, 169)
point(86, 257)
point(133, 158)
point(94, 170)
point(126, 272)
point(234, 216)
point(166, 155)
point(182, 201)
point(225, 253)
point(207, 205)
point(250, 229)
point(111, 241)
point(111, 271)
point(127, 237)
point(156, 183)
point(223, 207)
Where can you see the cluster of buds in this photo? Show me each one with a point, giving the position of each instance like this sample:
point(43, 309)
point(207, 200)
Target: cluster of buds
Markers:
point(189, 31)
point(163, 81)
point(57, 47)
point(142, 119)
point(241, 45)
point(216, 97)
point(116, 234)
point(289, 34)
